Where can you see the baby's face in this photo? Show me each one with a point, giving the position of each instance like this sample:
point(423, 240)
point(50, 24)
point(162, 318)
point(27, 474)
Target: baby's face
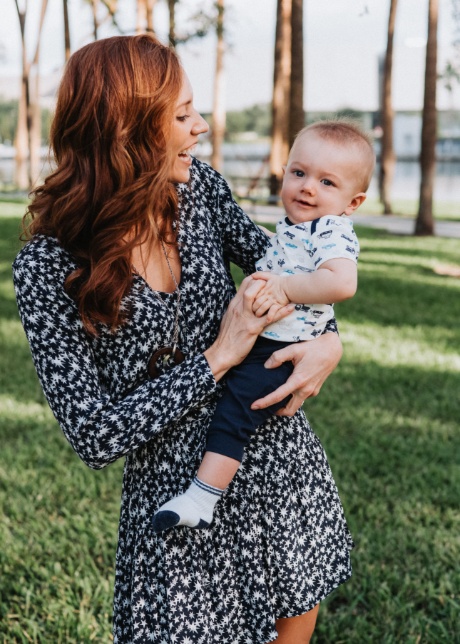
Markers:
point(321, 178)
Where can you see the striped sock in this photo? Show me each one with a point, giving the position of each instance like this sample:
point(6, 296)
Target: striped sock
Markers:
point(193, 508)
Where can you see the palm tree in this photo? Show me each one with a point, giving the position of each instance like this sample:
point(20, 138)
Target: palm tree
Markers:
point(27, 138)
point(281, 94)
point(218, 110)
point(66, 30)
point(296, 111)
point(145, 16)
point(424, 224)
point(387, 155)
point(172, 22)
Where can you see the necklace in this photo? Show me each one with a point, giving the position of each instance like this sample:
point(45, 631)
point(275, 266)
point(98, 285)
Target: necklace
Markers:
point(164, 356)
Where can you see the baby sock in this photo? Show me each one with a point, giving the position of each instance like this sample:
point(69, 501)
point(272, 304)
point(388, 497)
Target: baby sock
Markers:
point(193, 508)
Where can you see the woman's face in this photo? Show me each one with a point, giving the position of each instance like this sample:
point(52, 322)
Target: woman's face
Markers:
point(187, 125)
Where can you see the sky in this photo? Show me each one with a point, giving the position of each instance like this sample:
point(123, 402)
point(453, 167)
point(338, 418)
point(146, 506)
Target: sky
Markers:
point(343, 41)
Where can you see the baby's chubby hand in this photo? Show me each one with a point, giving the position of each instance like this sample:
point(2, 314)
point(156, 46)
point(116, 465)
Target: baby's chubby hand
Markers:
point(271, 295)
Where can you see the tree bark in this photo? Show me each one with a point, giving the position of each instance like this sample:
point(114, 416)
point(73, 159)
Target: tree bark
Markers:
point(172, 22)
point(387, 155)
point(424, 224)
point(281, 95)
point(149, 6)
point(296, 111)
point(21, 142)
point(35, 116)
point(66, 30)
point(94, 7)
point(218, 110)
point(28, 131)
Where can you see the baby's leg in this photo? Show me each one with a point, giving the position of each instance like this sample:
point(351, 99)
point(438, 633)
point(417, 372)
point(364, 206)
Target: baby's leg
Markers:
point(195, 507)
point(231, 428)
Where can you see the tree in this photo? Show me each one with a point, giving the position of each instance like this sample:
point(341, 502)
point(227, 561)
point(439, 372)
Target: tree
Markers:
point(387, 155)
point(145, 16)
point(172, 22)
point(28, 131)
point(218, 110)
point(281, 94)
point(66, 30)
point(94, 8)
point(424, 223)
point(296, 111)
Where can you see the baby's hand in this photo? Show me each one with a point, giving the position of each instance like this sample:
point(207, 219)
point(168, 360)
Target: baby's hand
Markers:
point(272, 294)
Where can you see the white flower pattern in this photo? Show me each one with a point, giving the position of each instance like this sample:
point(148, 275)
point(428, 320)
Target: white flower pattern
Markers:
point(279, 542)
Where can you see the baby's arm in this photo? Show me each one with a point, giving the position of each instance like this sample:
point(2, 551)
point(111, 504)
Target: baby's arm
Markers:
point(334, 281)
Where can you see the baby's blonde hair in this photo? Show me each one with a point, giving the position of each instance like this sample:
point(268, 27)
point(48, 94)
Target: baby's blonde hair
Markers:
point(346, 131)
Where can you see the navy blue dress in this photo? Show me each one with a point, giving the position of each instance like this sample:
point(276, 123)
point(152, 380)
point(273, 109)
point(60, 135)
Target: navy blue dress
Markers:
point(279, 542)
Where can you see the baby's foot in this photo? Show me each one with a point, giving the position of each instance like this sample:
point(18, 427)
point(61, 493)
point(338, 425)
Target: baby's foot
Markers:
point(194, 508)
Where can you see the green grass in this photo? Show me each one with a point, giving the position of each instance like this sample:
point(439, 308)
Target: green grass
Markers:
point(409, 208)
point(388, 418)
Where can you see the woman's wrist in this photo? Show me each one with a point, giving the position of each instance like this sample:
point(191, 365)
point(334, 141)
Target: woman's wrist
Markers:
point(219, 362)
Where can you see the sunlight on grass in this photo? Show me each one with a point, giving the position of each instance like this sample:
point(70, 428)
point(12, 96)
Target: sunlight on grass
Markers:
point(388, 418)
point(411, 346)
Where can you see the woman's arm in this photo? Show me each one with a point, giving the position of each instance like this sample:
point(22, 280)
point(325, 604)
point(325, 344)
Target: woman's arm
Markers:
point(100, 427)
point(313, 361)
point(239, 328)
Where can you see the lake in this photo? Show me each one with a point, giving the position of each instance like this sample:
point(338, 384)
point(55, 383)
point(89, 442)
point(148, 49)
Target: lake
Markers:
point(243, 161)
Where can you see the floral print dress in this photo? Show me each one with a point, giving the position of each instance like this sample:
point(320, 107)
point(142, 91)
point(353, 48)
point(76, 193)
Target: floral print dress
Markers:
point(279, 542)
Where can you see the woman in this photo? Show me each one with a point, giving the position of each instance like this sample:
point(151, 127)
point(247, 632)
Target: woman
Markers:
point(129, 264)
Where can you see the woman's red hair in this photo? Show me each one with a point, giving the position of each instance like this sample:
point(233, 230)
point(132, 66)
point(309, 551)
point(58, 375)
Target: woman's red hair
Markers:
point(111, 189)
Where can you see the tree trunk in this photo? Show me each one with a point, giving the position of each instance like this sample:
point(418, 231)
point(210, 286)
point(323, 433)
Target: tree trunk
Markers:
point(218, 110)
point(66, 30)
point(94, 7)
point(387, 155)
point(35, 110)
point(149, 6)
point(21, 146)
point(172, 22)
point(281, 95)
point(424, 224)
point(144, 20)
point(296, 113)
point(141, 11)
point(28, 131)
point(21, 171)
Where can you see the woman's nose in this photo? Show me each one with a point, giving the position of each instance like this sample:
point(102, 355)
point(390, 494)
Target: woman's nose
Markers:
point(200, 126)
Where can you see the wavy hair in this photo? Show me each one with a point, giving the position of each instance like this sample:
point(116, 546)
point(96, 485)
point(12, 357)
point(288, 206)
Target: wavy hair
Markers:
point(110, 190)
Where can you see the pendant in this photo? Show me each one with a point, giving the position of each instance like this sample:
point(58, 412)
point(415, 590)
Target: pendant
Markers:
point(165, 355)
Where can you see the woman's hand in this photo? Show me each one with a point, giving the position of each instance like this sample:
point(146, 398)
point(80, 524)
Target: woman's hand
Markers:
point(313, 360)
point(240, 327)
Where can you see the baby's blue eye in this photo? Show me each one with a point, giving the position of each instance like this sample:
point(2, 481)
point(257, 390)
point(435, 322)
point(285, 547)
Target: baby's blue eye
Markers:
point(298, 173)
point(327, 182)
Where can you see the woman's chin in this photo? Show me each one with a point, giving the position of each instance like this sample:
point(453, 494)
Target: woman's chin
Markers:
point(180, 176)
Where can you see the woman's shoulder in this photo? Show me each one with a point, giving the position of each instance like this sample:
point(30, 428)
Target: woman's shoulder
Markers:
point(206, 178)
point(44, 257)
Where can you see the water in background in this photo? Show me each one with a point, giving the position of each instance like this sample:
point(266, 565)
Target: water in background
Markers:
point(246, 162)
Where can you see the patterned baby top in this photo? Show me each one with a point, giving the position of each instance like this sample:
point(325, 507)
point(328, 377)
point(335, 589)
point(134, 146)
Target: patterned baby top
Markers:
point(303, 248)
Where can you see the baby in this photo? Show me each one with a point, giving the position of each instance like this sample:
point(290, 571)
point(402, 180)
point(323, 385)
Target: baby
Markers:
point(311, 261)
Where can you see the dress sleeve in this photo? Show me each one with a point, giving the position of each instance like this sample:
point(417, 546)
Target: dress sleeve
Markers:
point(244, 242)
point(99, 428)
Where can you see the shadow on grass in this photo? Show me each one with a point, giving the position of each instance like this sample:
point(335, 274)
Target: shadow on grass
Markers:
point(402, 301)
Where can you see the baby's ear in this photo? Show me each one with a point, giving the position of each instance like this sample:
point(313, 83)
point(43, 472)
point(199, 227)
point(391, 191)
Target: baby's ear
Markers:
point(355, 203)
point(284, 169)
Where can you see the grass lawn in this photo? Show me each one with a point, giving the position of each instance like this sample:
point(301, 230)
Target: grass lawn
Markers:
point(388, 418)
point(409, 208)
